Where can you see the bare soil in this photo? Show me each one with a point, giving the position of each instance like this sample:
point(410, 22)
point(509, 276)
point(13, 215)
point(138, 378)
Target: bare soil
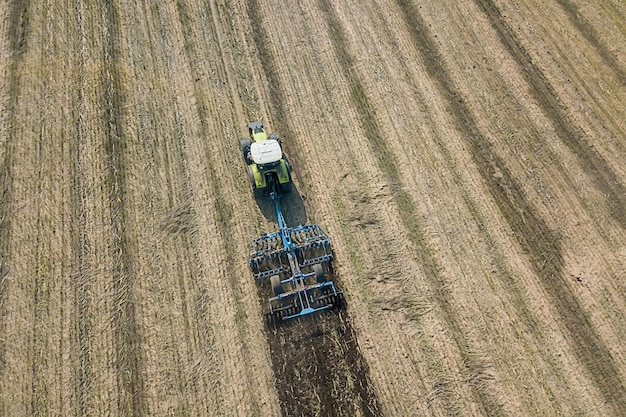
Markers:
point(467, 158)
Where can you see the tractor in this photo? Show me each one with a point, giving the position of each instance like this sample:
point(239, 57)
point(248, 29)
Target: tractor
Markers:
point(295, 260)
point(268, 168)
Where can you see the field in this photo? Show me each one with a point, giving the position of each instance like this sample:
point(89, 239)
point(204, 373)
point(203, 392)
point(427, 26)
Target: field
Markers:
point(467, 158)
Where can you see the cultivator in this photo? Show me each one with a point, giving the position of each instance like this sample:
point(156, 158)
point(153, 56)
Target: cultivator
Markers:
point(297, 261)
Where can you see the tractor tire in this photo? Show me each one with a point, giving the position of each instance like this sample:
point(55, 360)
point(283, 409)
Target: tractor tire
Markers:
point(277, 287)
point(288, 186)
point(251, 178)
point(245, 149)
point(319, 273)
point(256, 193)
point(274, 136)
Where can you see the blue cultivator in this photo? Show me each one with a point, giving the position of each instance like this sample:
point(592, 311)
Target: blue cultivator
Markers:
point(295, 260)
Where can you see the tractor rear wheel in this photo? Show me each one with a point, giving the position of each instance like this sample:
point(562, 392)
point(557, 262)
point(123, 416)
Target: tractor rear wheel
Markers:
point(319, 273)
point(288, 186)
point(255, 191)
point(277, 287)
point(274, 136)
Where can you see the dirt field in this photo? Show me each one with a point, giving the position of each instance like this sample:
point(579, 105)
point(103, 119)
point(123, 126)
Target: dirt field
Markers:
point(467, 158)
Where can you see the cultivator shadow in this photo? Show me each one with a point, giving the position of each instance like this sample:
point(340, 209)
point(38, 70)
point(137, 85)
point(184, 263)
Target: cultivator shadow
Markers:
point(296, 260)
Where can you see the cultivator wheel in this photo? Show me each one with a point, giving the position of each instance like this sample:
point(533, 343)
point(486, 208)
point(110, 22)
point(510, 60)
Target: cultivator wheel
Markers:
point(277, 286)
point(312, 298)
point(318, 269)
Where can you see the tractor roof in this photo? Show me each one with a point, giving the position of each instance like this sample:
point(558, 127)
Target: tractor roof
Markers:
point(266, 152)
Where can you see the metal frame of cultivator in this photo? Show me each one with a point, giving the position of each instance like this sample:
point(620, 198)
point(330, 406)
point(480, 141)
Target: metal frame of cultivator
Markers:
point(284, 256)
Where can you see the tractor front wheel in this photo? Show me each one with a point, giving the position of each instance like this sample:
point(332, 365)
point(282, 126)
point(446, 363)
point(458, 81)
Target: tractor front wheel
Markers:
point(255, 191)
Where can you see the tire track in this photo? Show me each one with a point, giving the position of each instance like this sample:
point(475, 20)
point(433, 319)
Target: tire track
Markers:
point(41, 290)
point(408, 216)
point(17, 39)
point(542, 245)
point(315, 359)
point(204, 333)
point(78, 231)
point(18, 30)
point(601, 174)
point(590, 34)
point(223, 207)
point(128, 343)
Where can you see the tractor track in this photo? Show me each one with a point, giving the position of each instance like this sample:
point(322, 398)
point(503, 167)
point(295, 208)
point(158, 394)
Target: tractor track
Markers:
point(222, 207)
point(41, 290)
point(127, 339)
point(324, 386)
point(204, 332)
point(541, 244)
point(19, 27)
point(80, 239)
point(388, 164)
point(567, 131)
point(17, 40)
point(591, 35)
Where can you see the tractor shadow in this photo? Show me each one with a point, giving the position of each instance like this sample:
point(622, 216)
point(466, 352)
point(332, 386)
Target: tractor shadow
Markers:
point(291, 204)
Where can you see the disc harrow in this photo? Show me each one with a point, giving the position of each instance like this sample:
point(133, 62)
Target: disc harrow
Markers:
point(297, 261)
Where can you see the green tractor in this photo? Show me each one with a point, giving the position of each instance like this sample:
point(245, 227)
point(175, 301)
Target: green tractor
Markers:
point(268, 168)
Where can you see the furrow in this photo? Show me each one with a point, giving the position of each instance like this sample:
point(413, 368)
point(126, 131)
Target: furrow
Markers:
point(41, 295)
point(80, 241)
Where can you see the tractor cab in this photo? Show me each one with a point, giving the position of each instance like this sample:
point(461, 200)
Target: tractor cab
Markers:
point(266, 161)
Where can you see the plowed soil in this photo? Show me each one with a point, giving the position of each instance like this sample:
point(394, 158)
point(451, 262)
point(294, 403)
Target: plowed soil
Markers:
point(467, 158)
